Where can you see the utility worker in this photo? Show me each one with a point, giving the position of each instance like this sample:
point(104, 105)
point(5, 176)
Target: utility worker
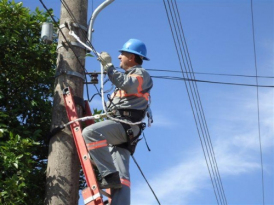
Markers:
point(110, 143)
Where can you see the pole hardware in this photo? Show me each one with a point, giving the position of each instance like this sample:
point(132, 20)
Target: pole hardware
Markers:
point(73, 43)
point(70, 25)
point(66, 72)
point(76, 25)
point(94, 77)
point(94, 15)
point(47, 32)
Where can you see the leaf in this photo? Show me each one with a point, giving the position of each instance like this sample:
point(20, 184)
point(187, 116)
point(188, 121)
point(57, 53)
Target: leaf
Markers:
point(1, 132)
point(20, 156)
point(15, 165)
point(89, 55)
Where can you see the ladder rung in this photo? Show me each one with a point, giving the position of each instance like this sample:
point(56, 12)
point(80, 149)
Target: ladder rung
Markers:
point(88, 197)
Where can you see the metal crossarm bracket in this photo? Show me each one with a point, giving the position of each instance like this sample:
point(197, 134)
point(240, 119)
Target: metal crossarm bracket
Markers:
point(67, 72)
point(73, 43)
point(76, 25)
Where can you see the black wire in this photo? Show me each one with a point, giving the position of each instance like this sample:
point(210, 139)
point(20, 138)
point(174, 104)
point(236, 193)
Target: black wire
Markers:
point(207, 81)
point(98, 93)
point(93, 97)
point(56, 24)
point(85, 35)
point(203, 73)
point(258, 103)
point(68, 43)
point(193, 88)
point(195, 118)
point(145, 179)
point(86, 38)
point(201, 111)
point(207, 138)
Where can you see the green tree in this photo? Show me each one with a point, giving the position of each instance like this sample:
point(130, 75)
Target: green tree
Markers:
point(27, 68)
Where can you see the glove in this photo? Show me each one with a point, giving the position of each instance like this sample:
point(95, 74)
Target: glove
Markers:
point(105, 60)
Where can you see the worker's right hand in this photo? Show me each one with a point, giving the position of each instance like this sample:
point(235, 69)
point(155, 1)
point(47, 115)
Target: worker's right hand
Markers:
point(105, 60)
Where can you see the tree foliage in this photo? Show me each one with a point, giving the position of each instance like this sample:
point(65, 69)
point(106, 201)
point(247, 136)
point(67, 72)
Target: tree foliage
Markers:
point(26, 83)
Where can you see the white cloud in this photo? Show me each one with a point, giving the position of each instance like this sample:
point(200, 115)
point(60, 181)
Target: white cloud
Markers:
point(172, 182)
point(164, 121)
point(237, 152)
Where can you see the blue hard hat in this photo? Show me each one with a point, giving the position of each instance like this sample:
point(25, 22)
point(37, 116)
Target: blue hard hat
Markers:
point(135, 46)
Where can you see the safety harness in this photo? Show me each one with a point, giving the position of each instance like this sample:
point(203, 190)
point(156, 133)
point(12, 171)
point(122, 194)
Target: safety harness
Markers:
point(133, 116)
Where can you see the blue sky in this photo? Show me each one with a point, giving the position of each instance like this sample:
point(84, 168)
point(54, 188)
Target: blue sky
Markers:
point(219, 39)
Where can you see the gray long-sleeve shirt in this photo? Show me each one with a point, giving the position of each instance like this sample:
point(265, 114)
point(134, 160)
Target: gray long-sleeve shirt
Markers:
point(133, 88)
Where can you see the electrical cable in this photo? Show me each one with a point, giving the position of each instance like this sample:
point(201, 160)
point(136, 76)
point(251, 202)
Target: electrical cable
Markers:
point(68, 43)
point(190, 91)
point(221, 74)
point(84, 34)
point(208, 138)
point(145, 179)
point(102, 83)
point(196, 103)
point(91, 48)
point(258, 102)
point(213, 82)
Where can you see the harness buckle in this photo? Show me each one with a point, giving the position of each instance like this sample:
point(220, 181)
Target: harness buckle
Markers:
point(130, 132)
point(127, 113)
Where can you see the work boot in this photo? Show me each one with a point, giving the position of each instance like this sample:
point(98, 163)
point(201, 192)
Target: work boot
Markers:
point(111, 181)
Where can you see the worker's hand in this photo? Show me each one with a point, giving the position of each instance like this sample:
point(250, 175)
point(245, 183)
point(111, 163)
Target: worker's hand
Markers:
point(105, 60)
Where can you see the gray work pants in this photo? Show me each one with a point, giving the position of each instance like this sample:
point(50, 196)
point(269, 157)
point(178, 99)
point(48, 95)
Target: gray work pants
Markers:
point(111, 159)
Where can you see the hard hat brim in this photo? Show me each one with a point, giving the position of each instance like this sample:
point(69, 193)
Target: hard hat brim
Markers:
point(131, 51)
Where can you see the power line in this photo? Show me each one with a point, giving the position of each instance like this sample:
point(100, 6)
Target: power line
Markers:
point(63, 2)
point(60, 30)
point(213, 82)
point(195, 101)
point(94, 51)
point(202, 123)
point(258, 102)
point(204, 73)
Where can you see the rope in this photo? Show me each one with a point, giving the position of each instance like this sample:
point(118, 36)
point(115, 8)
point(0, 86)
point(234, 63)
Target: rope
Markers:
point(104, 106)
point(94, 117)
point(145, 179)
point(102, 83)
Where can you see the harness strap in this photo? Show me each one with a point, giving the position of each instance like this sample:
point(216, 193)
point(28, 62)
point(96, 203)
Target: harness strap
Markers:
point(132, 141)
point(130, 114)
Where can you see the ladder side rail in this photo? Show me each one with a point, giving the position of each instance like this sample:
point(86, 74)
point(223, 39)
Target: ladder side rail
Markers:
point(90, 122)
point(93, 191)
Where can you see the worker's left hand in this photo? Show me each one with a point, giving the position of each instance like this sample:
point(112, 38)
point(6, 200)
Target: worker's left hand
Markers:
point(105, 60)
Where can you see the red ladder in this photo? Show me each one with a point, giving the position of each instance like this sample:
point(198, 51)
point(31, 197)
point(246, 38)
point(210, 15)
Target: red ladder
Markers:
point(92, 194)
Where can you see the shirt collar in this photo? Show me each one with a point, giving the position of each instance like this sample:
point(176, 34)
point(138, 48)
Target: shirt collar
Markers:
point(132, 68)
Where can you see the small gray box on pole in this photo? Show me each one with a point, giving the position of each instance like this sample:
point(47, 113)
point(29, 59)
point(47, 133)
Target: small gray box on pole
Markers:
point(47, 32)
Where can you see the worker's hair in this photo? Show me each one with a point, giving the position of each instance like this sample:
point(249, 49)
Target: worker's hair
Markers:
point(138, 59)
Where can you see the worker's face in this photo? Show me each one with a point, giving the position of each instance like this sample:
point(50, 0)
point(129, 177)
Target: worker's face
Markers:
point(126, 60)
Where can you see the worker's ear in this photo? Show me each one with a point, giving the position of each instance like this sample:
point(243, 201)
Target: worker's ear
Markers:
point(132, 57)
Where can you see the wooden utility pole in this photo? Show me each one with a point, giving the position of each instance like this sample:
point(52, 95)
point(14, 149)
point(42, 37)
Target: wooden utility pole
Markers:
point(63, 162)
